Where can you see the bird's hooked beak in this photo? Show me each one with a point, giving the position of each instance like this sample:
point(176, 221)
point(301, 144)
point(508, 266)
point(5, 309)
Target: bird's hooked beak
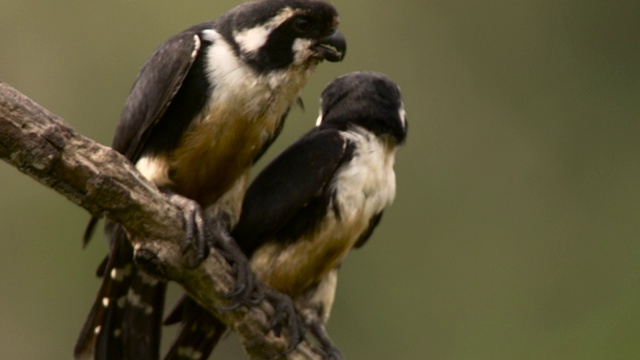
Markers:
point(333, 47)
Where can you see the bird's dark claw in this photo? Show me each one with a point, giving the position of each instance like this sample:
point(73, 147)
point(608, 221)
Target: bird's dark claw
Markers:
point(326, 344)
point(195, 232)
point(286, 317)
point(246, 291)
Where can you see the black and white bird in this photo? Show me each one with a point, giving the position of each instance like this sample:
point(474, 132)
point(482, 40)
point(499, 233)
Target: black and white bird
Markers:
point(320, 198)
point(205, 106)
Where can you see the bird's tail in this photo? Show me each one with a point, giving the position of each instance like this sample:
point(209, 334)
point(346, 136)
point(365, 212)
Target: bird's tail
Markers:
point(125, 320)
point(201, 331)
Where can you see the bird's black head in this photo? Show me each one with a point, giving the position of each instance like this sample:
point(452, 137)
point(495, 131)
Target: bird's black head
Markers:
point(366, 99)
point(277, 34)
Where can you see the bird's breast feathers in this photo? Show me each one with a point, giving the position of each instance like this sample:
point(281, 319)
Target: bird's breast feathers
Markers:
point(243, 114)
point(363, 187)
point(367, 184)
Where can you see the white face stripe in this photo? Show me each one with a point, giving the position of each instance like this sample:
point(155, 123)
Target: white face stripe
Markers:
point(252, 39)
point(319, 120)
point(402, 116)
point(211, 35)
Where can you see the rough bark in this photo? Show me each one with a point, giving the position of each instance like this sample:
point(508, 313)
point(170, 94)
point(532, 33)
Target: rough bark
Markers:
point(105, 183)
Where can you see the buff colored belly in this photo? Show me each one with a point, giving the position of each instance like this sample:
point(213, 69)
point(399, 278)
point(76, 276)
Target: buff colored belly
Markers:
point(215, 153)
point(293, 268)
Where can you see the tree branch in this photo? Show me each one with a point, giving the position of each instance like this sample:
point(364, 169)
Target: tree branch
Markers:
point(105, 183)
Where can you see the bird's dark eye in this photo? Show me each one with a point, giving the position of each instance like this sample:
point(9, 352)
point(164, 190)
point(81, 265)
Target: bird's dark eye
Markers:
point(303, 25)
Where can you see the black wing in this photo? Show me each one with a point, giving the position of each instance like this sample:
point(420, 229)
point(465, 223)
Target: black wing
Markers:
point(158, 84)
point(153, 91)
point(288, 184)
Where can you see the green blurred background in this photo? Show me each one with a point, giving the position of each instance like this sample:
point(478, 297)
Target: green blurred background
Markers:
point(514, 234)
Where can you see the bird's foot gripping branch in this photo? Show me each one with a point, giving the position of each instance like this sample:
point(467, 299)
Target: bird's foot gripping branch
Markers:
point(103, 182)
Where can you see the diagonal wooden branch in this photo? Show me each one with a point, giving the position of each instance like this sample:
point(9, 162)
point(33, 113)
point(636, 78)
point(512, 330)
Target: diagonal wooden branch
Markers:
point(102, 181)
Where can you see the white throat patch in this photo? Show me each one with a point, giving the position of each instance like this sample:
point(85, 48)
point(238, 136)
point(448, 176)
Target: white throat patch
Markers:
point(238, 86)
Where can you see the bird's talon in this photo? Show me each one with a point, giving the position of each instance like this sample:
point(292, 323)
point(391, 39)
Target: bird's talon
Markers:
point(286, 316)
point(195, 232)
